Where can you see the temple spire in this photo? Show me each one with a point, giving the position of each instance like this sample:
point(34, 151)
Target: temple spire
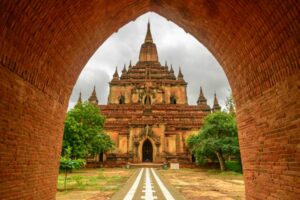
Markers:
point(116, 75)
point(148, 51)
point(124, 72)
point(180, 75)
point(216, 106)
point(124, 69)
point(201, 93)
point(202, 102)
point(171, 69)
point(93, 98)
point(79, 101)
point(130, 66)
point(166, 65)
point(172, 73)
point(148, 37)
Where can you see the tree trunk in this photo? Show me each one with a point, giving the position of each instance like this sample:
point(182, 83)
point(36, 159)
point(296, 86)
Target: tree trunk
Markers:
point(66, 174)
point(221, 160)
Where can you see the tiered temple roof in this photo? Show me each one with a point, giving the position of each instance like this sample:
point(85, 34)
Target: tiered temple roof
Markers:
point(148, 69)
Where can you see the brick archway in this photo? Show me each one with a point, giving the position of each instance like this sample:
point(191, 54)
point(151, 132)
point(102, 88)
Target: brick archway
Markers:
point(45, 44)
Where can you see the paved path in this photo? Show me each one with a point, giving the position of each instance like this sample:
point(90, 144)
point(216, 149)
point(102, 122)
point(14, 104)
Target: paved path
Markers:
point(146, 184)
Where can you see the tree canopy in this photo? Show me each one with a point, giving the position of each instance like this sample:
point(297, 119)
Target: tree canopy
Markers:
point(216, 140)
point(84, 132)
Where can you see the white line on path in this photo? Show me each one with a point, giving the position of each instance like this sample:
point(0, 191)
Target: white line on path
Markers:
point(131, 192)
point(148, 189)
point(164, 190)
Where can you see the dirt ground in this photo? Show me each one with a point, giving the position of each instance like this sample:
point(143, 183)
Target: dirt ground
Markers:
point(202, 184)
point(92, 184)
point(193, 184)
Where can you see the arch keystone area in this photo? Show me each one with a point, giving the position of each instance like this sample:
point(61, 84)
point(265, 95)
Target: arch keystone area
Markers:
point(45, 45)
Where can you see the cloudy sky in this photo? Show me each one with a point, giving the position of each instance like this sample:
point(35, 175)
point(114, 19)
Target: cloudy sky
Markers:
point(174, 45)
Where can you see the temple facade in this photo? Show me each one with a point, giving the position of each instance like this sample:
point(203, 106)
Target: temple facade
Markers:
point(147, 114)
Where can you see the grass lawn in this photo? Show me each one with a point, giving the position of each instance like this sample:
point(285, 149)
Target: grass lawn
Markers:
point(92, 183)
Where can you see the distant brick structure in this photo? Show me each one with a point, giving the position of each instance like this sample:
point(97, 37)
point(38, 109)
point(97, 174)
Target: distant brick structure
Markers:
point(147, 114)
point(44, 45)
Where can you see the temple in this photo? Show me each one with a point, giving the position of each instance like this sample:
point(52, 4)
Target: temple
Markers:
point(147, 114)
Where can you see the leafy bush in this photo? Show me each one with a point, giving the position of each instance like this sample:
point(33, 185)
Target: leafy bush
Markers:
point(234, 166)
point(67, 164)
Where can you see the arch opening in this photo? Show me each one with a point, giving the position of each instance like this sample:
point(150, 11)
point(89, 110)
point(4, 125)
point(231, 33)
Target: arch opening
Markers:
point(173, 100)
point(122, 100)
point(147, 151)
point(187, 46)
point(147, 100)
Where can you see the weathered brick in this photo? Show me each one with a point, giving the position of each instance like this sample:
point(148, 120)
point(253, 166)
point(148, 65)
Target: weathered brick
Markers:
point(45, 45)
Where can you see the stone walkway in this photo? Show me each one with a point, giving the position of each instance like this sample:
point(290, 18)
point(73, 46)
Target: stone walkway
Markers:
point(147, 184)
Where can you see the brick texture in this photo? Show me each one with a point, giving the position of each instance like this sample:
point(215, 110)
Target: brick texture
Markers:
point(45, 45)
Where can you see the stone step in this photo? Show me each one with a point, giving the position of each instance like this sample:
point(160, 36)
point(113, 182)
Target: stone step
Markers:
point(145, 165)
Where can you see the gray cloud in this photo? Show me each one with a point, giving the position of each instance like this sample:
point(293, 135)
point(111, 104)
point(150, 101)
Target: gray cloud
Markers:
point(86, 82)
point(174, 45)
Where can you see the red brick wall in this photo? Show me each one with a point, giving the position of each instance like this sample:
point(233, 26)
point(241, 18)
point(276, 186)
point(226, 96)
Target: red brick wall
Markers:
point(30, 141)
point(45, 44)
point(269, 138)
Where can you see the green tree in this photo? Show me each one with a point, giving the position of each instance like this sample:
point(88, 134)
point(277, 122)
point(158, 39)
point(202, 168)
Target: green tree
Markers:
point(216, 139)
point(84, 132)
point(202, 155)
point(230, 104)
point(67, 164)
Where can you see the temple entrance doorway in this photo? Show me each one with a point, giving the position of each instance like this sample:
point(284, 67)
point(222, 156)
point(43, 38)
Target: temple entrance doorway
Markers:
point(147, 100)
point(147, 151)
point(101, 157)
